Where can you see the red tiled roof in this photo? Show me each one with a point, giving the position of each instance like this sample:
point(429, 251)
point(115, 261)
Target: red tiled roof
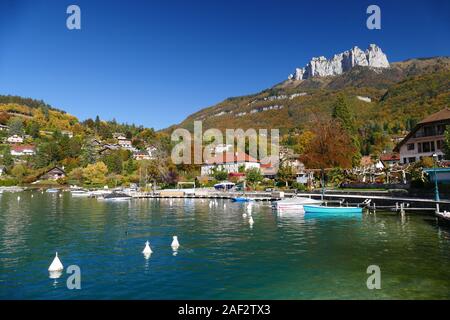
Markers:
point(390, 157)
point(230, 157)
point(23, 147)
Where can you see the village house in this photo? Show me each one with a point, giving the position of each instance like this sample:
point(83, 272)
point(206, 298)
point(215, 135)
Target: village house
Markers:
point(141, 155)
point(124, 142)
point(23, 150)
point(389, 159)
point(15, 139)
point(67, 133)
point(229, 162)
point(426, 139)
point(54, 173)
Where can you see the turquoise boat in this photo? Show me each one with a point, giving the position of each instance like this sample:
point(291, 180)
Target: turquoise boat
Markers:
point(332, 210)
point(241, 199)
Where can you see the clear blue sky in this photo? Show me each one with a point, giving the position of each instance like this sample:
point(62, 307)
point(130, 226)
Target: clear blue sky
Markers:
point(155, 62)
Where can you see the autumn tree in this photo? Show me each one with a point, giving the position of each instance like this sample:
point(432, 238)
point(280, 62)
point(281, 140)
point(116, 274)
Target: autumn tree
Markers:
point(95, 174)
point(330, 147)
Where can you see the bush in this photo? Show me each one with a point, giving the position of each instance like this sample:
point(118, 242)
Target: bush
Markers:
point(298, 186)
point(8, 182)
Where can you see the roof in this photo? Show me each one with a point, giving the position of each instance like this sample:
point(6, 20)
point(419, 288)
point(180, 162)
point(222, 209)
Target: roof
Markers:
point(23, 147)
point(230, 157)
point(442, 115)
point(390, 157)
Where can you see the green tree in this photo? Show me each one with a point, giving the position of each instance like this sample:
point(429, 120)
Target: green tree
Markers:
point(113, 161)
point(220, 174)
point(15, 126)
point(286, 173)
point(88, 153)
point(447, 143)
point(7, 159)
point(33, 129)
point(19, 171)
point(253, 176)
point(342, 113)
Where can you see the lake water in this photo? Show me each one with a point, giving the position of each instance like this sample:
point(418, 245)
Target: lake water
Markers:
point(286, 256)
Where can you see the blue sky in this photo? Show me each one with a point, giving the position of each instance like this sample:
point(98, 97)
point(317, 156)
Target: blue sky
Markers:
point(155, 62)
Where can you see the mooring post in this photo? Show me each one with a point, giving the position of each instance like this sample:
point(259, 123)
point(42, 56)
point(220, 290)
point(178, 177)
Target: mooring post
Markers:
point(402, 210)
point(437, 207)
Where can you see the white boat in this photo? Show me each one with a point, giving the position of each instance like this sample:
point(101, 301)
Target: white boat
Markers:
point(117, 196)
point(52, 190)
point(79, 193)
point(295, 203)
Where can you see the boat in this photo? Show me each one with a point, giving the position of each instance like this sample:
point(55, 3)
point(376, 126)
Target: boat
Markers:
point(79, 193)
point(332, 210)
point(52, 190)
point(224, 185)
point(295, 203)
point(241, 199)
point(443, 217)
point(117, 196)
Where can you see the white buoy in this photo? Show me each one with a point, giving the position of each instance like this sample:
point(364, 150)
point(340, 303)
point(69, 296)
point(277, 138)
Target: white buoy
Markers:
point(175, 244)
point(56, 264)
point(250, 220)
point(244, 215)
point(147, 250)
point(32, 195)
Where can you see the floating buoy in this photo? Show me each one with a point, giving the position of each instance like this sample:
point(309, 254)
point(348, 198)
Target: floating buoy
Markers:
point(56, 264)
point(175, 244)
point(244, 215)
point(147, 250)
point(18, 198)
point(32, 195)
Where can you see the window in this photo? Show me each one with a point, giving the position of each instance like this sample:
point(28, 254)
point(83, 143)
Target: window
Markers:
point(410, 146)
point(426, 146)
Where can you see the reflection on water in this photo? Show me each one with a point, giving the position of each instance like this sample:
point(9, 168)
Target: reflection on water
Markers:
point(222, 255)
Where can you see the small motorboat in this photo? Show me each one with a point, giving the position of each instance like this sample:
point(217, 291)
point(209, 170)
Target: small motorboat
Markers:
point(332, 210)
point(295, 203)
point(241, 199)
point(117, 196)
point(52, 190)
point(79, 193)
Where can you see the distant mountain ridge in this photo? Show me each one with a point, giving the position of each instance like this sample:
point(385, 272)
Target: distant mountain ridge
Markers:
point(373, 57)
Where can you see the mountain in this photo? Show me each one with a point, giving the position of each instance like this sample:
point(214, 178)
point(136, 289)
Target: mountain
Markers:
point(373, 57)
point(404, 92)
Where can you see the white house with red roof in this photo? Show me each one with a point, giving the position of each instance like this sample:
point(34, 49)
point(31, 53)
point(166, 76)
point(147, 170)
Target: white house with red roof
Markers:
point(23, 150)
point(229, 162)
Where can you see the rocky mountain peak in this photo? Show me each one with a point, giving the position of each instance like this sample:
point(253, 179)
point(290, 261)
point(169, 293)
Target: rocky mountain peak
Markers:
point(321, 67)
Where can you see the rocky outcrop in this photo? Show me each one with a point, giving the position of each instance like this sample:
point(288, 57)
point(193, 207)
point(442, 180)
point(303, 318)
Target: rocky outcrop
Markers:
point(321, 67)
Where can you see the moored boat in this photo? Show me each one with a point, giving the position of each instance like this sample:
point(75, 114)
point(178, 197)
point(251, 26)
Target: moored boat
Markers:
point(241, 199)
point(295, 203)
point(52, 190)
point(332, 210)
point(79, 193)
point(117, 196)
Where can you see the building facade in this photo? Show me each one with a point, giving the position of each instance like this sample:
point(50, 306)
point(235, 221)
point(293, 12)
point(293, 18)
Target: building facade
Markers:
point(229, 162)
point(426, 139)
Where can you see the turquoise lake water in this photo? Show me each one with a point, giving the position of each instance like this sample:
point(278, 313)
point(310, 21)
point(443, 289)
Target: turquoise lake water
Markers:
point(286, 256)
